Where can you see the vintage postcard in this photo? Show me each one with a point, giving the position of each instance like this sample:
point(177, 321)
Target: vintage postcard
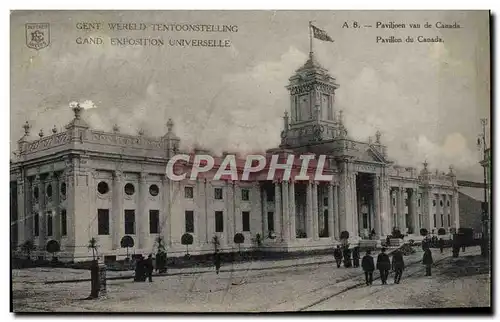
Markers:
point(249, 161)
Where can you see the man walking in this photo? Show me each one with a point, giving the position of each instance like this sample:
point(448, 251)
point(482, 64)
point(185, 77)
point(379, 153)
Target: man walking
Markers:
point(149, 268)
point(355, 257)
point(337, 254)
point(217, 261)
point(441, 245)
point(427, 261)
point(398, 265)
point(368, 267)
point(383, 265)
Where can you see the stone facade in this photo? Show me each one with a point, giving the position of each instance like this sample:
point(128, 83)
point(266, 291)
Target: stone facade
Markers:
point(82, 184)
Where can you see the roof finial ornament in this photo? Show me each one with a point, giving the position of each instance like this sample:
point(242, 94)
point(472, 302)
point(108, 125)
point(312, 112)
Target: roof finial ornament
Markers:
point(425, 165)
point(77, 109)
point(116, 129)
point(141, 132)
point(54, 129)
point(285, 122)
point(377, 136)
point(40, 134)
point(170, 125)
point(451, 168)
point(26, 128)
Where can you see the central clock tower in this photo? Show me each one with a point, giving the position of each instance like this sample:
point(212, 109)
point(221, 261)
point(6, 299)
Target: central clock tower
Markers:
point(312, 115)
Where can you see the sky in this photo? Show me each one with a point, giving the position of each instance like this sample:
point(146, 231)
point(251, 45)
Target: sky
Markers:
point(425, 98)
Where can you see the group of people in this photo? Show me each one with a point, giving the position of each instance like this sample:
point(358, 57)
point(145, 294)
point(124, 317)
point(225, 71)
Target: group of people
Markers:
point(384, 264)
point(144, 269)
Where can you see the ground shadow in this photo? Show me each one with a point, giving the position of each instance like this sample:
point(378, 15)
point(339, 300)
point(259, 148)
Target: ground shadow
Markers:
point(465, 266)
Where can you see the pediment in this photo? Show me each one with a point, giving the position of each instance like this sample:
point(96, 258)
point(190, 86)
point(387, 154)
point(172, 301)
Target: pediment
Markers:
point(369, 154)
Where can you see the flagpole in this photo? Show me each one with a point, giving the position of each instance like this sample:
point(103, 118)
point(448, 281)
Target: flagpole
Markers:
point(310, 40)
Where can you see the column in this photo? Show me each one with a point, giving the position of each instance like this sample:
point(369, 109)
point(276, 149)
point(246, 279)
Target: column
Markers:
point(57, 209)
point(286, 212)
point(309, 211)
point(256, 214)
point(315, 210)
point(400, 207)
point(376, 205)
point(438, 212)
point(164, 231)
point(336, 225)
point(265, 231)
point(277, 210)
point(22, 214)
point(414, 212)
point(142, 219)
point(42, 222)
point(345, 201)
point(117, 217)
point(385, 206)
point(331, 213)
point(455, 210)
point(446, 211)
point(430, 210)
point(292, 215)
point(229, 201)
point(355, 218)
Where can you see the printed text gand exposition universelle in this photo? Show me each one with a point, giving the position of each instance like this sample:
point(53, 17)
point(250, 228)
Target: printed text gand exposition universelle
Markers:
point(153, 40)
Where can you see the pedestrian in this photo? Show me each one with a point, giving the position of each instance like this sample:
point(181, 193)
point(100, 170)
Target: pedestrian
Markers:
point(372, 234)
point(217, 261)
point(347, 257)
point(398, 265)
point(368, 267)
point(139, 269)
point(441, 245)
point(383, 265)
point(427, 261)
point(355, 257)
point(337, 254)
point(149, 268)
point(388, 241)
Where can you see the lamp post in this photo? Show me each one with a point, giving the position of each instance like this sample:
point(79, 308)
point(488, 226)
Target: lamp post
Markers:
point(481, 143)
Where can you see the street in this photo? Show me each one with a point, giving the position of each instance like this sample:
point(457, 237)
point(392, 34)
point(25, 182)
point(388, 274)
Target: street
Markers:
point(456, 282)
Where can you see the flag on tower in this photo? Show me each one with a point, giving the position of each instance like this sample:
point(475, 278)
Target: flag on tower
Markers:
point(320, 34)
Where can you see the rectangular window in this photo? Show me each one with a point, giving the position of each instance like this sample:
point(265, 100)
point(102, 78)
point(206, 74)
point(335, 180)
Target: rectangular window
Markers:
point(64, 223)
point(49, 224)
point(449, 220)
point(218, 193)
point(442, 220)
point(245, 194)
point(270, 221)
point(246, 220)
point(188, 192)
point(219, 222)
point(393, 201)
point(435, 220)
point(419, 202)
point(325, 202)
point(103, 221)
point(129, 222)
point(434, 203)
point(420, 220)
point(365, 221)
point(36, 219)
point(154, 221)
point(189, 221)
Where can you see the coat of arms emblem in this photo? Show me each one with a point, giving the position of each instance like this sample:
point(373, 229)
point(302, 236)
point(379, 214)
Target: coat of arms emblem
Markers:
point(37, 35)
